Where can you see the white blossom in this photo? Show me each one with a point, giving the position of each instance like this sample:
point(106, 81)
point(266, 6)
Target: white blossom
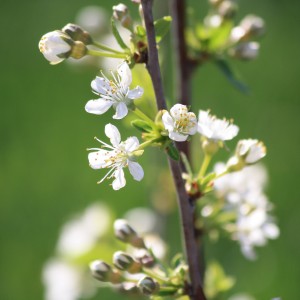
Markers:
point(55, 46)
point(251, 150)
point(114, 93)
point(180, 123)
point(215, 129)
point(116, 157)
point(245, 50)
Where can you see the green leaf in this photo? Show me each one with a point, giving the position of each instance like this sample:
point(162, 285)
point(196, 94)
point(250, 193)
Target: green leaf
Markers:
point(117, 35)
point(140, 31)
point(141, 125)
point(229, 74)
point(173, 152)
point(176, 260)
point(162, 26)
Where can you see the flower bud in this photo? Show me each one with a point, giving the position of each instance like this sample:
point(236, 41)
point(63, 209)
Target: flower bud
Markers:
point(121, 13)
point(79, 50)
point(148, 286)
point(125, 233)
point(254, 26)
point(125, 262)
point(128, 288)
point(56, 46)
point(144, 257)
point(227, 9)
point(103, 272)
point(245, 51)
point(77, 33)
point(210, 147)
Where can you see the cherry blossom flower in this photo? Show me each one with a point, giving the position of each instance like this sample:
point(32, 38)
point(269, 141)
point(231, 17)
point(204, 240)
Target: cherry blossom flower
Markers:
point(55, 46)
point(180, 123)
point(114, 93)
point(116, 157)
point(216, 129)
point(250, 150)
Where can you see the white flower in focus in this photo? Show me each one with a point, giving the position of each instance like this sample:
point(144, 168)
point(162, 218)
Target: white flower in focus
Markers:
point(114, 93)
point(116, 157)
point(55, 46)
point(65, 281)
point(215, 129)
point(180, 123)
point(250, 150)
point(80, 234)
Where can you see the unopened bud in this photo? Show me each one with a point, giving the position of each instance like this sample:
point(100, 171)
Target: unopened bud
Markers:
point(125, 233)
point(56, 46)
point(104, 272)
point(227, 9)
point(254, 26)
point(125, 262)
point(210, 147)
point(79, 50)
point(121, 13)
point(148, 286)
point(144, 257)
point(128, 288)
point(245, 51)
point(77, 33)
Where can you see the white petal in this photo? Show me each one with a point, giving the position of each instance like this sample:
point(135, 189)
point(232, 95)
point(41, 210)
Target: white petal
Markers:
point(136, 93)
point(96, 159)
point(125, 73)
point(121, 111)
point(175, 136)
point(136, 170)
point(98, 107)
point(177, 109)
point(101, 85)
point(113, 134)
point(168, 121)
point(119, 181)
point(131, 144)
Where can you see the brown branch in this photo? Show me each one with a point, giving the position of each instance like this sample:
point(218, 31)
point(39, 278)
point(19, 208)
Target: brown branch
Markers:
point(185, 205)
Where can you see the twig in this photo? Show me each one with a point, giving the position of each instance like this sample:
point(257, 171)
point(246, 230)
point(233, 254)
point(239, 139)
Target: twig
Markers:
point(185, 205)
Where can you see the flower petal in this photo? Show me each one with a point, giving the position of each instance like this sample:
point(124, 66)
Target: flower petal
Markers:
point(97, 159)
point(131, 144)
point(125, 73)
point(98, 107)
point(136, 93)
point(119, 181)
point(121, 111)
point(168, 121)
point(175, 136)
point(136, 170)
point(101, 86)
point(113, 134)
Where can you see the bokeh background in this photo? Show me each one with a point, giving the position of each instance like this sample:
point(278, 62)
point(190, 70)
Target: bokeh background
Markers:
point(44, 175)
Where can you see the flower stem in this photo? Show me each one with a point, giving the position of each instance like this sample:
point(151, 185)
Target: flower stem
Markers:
point(104, 54)
point(205, 164)
point(140, 114)
point(145, 144)
point(106, 48)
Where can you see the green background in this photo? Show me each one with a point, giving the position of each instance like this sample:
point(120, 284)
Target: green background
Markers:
point(44, 175)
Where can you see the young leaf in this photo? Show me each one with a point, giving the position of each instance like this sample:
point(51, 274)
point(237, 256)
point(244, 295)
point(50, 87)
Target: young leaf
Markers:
point(140, 31)
point(141, 125)
point(162, 26)
point(117, 35)
point(172, 151)
point(229, 74)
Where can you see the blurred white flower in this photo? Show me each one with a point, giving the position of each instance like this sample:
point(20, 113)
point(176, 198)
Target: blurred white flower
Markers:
point(114, 93)
point(180, 123)
point(215, 129)
point(65, 281)
point(80, 234)
point(55, 46)
point(116, 157)
point(251, 150)
point(245, 50)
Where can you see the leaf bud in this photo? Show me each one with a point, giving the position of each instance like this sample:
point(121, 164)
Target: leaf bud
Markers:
point(125, 233)
point(77, 33)
point(125, 262)
point(148, 286)
point(245, 51)
point(121, 13)
point(104, 272)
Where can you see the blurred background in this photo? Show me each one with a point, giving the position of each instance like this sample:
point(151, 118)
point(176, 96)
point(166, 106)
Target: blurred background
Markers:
point(45, 177)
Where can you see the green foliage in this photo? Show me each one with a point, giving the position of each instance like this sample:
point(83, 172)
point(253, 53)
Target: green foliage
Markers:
point(162, 27)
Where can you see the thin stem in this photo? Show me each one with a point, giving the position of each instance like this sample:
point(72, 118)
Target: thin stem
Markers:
point(205, 164)
point(184, 202)
point(145, 144)
point(143, 116)
point(103, 54)
point(106, 48)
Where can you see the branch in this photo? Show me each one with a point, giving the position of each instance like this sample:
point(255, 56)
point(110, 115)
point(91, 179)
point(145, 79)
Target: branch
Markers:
point(185, 205)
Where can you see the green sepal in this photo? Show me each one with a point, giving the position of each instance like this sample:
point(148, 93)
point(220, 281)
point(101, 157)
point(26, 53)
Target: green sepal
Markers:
point(140, 31)
point(208, 178)
point(176, 260)
point(166, 293)
point(172, 151)
point(117, 35)
point(226, 69)
point(162, 27)
point(141, 125)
